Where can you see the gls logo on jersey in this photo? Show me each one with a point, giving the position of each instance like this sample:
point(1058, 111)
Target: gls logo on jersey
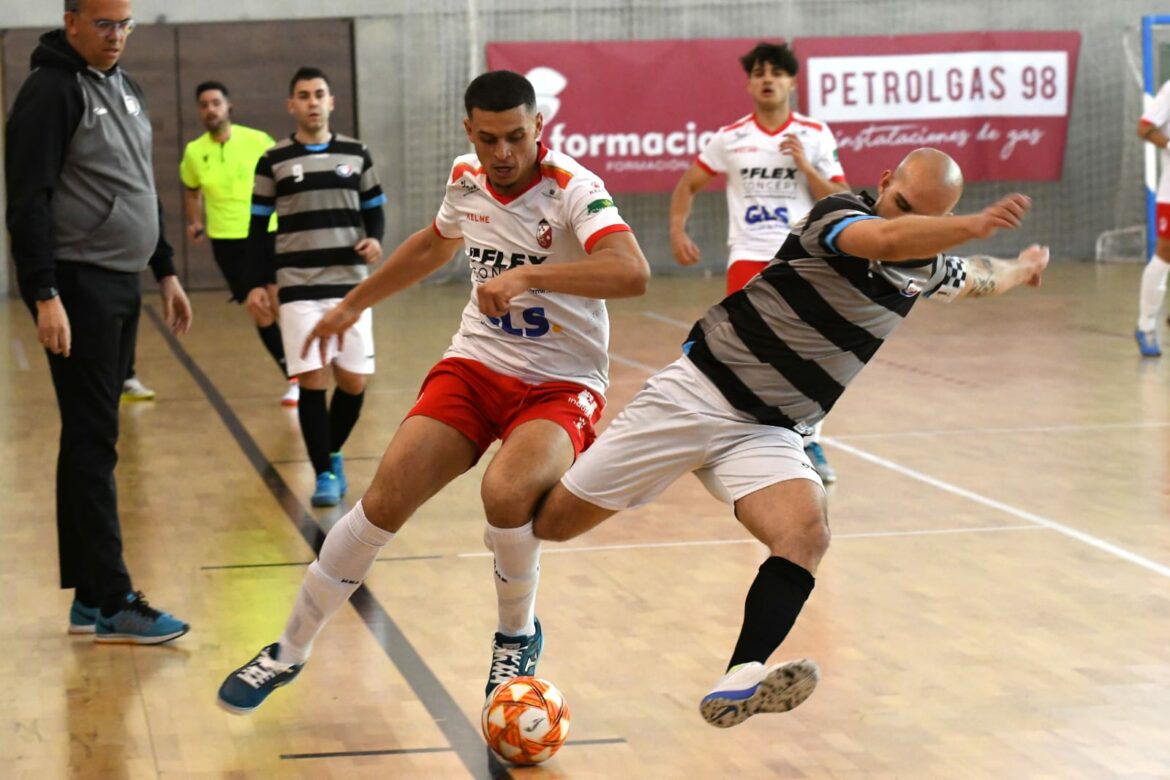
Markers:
point(757, 214)
point(534, 318)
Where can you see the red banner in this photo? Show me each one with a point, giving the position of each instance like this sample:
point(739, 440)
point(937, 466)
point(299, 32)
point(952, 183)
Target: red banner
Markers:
point(636, 113)
point(998, 102)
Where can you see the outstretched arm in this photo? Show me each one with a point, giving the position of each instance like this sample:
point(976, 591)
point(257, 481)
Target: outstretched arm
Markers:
point(913, 237)
point(992, 276)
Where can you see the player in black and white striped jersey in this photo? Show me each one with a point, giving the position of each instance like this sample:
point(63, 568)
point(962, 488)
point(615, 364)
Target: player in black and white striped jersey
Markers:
point(766, 364)
point(324, 190)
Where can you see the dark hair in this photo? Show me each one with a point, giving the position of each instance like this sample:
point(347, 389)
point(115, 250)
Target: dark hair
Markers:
point(209, 85)
point(306, 73)
point(778, 55)
point(72, 6)
point(499, 90)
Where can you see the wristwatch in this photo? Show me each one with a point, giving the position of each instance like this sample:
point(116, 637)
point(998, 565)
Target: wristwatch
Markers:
point(47, 293)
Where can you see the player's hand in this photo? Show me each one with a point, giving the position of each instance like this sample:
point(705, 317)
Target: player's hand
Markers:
point(1007, 213)
point(258, 303)
point(176, 305)
point(369, 249)
point(495, 295)
point(790, 145)
point(685, 251)
point(53, 327)
point(335, 323)
point(1036, 257)
point(195, 232)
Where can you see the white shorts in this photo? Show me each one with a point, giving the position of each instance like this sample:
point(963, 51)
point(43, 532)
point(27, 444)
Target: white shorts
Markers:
point(297, 320)
point(678, 423)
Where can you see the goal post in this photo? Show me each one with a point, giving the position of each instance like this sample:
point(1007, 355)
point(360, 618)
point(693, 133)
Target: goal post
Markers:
point(1155, 72)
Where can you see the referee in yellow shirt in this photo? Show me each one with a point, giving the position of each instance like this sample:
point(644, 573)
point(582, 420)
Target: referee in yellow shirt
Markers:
point(218, 169)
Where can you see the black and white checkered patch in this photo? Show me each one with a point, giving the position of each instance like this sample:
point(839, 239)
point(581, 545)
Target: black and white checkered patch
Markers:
point(954, 278)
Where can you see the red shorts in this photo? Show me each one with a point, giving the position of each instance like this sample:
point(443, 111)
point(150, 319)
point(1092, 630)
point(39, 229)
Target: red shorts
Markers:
point(485, 405)
point(1162, 219)
point(740, 273)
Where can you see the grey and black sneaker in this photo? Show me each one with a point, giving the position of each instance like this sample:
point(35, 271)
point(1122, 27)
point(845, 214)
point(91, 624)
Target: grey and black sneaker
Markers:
point(513, 656)
point(138, 623)
point(752, 688)
point(246, 688)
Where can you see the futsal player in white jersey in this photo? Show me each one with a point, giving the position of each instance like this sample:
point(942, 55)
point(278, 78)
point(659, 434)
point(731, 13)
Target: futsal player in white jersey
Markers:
point(765, 363)
point(778, 163)
point(1154, 127)
point(528, 365)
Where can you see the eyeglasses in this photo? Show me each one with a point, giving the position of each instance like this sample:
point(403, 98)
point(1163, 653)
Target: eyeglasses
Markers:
point(108, 28)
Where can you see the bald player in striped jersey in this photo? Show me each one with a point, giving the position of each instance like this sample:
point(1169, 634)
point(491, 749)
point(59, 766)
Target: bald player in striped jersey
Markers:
point(763, 366)
point(529, 365)
point(324, 189)
point(778, 163)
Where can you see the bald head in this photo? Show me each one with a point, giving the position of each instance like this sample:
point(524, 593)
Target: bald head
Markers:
point(927, 180)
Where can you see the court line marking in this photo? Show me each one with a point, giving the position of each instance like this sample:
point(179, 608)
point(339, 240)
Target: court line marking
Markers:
point(668, 320)
point(21, 355)
point(222, 567)
point(412, 751)
point(991, 503)
point(461, 734)
point(718, 542)
point(625, 361)
point(1035, 429)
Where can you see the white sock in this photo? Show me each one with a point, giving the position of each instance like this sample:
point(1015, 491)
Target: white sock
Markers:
point(517, 573)
point(1153, 291)
point(815, 435)
point(346, 557)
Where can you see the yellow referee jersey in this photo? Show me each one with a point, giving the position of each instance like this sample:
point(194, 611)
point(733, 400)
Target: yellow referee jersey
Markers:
point(225, 174)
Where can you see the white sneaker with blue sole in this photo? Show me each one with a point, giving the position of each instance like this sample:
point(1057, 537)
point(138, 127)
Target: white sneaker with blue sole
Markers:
point(751, 688)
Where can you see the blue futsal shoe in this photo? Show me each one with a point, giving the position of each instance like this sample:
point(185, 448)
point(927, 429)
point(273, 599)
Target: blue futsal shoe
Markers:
point(751, 688)
point(1147, 341)
point(338, 469)
point(513, 656)
point(816, 454)
point(138, 623)
point(82, 619)
point(328, 492)
point(246, 688)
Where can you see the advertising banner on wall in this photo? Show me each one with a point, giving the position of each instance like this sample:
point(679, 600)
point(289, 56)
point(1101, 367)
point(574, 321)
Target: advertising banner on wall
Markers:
point(998, 102)
point(636, 113)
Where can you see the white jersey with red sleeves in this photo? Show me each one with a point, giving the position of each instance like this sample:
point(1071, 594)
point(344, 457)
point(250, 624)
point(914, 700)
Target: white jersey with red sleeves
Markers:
point(766, 193)
point(546, 336)
point(1158, 115)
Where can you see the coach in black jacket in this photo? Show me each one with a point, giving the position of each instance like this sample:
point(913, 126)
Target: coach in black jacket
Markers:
point(85, 220)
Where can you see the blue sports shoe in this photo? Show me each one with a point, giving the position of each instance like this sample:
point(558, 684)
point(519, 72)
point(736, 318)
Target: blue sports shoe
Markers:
point(338, 469)
point(82, 618)
point(751, 688)
point(1148, 343)
point(138, 623)
point(513, 656)
point(328, 491)
point(246, 688)
point(816, 454)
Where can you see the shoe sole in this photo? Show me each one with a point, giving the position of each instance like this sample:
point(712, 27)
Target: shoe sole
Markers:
point(79, 630)
point(136, 639)
point(325, 502)
point(785, 688)
point(133, 399)
point(234, 710)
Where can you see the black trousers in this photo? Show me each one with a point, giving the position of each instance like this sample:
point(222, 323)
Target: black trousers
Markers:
point(103, 308)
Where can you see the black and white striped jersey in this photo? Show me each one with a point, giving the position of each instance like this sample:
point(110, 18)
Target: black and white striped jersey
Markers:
point(783, 349)
point(318, 193)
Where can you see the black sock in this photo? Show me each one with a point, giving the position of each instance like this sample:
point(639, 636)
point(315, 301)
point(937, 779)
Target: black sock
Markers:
point(773, 602)
point(315, 428)
point(344, 410)
point(86, 597)
point(270, 335)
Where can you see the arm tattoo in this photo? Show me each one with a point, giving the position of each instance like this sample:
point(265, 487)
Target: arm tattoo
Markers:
point(982, 273)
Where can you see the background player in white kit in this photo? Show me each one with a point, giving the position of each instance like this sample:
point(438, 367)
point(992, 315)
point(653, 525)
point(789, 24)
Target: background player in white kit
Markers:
point(778, 163)
point(528, 365)
point(1154, 127)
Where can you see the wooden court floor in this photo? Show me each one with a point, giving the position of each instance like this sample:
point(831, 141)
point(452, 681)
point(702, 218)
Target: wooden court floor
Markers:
point(996, 602)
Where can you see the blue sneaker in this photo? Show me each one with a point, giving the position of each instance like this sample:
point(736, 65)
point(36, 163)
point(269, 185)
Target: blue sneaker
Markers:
point(816, 454)
point(1148, 343)
point(246, 688)
point(138, 623)
point(328, 491)
point(338, 470)
point(752, 688)
point(82, 618)
point(513, 656)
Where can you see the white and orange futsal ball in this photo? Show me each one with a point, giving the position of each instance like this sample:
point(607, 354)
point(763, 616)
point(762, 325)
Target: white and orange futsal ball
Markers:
point(525, 720)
